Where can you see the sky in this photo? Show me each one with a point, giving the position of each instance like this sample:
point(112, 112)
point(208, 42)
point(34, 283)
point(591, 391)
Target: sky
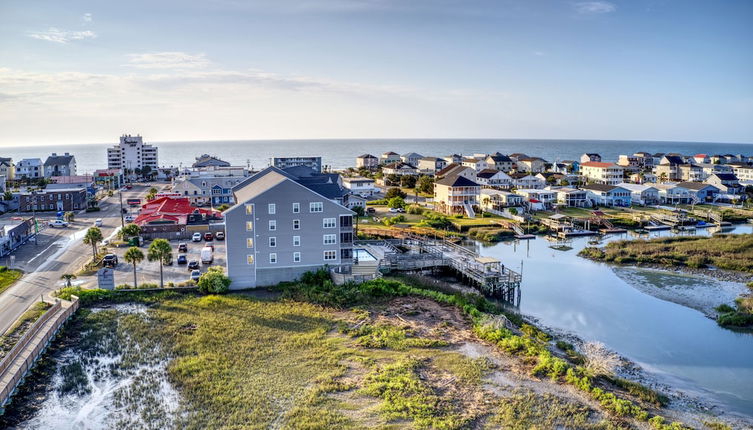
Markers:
point(88, 71)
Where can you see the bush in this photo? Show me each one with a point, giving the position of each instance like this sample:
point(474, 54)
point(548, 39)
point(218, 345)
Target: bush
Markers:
point(214, 281)
point(396, 202)
point(393, 220)
point(415, 210)
point(395, 192)
point(377, 202)
point(93, 209)
point(724, 308)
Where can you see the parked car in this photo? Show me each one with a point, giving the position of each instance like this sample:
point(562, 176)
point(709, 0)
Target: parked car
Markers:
point(397, 210)
point(370, 210)
point(129, 186)
point(208, 236)
point(110, 260)
point(58, 223)
point(182, 247)
point(220, 235)
point(182, 259)
point(193, 264)
point(98, 222)
point(196, 237)
point(195, 275)
point(129, 218)
point(207, 255)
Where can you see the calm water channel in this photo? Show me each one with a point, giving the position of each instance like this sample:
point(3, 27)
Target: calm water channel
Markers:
point(676, 343)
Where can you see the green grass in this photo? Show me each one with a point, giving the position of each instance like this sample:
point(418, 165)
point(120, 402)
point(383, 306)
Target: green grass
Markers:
point(20, 325)
point(528, 410)
point(8, 277)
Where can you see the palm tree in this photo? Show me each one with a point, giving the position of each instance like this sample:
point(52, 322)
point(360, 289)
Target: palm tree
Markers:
point(68, 277)
point(92, 237)
point(160, 250)
point(134, 256)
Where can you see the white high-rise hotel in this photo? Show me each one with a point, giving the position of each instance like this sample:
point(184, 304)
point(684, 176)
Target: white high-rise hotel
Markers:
point(131, 154)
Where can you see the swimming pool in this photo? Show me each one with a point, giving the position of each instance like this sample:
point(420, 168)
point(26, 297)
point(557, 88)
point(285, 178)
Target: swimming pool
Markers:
point(362, 255)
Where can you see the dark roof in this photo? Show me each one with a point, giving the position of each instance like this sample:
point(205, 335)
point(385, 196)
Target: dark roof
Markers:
point(499, 158)
point(456, 181)
point(450, 168)
point(208, 160)
point(366, 156)
point(674, 159)
point(599, 187)
point(726, 176)
point(398, 165)
point(592, 154)
point(430, 159)
point(53, 160)
point(694, 185)
point(487, 173)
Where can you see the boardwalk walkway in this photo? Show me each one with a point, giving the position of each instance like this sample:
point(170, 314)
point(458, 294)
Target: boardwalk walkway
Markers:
point(20, 359)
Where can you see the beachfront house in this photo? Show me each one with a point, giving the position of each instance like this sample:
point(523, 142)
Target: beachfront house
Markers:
point(60, 165)
point(364, 187)
point(571, 197)
point(727, 183)
point(642, 194)
point(367, 161)
point(671, 193)
point(537, 199)
point(494, 178)
point(602, 173)
point(280, 228)
point(530, 165)
point(431, 165)
point(526, 180)
point(699, 191)
point(607, 195)
point(477, 164)
point(499, 162)
point(399, 169)
point(590, 157)
point(456, 195)
point(389, 158)
point(457, 169)
point(411, 158)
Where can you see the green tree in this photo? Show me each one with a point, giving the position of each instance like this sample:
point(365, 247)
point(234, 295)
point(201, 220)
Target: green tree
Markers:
point(7, 196)
point(392, 179)
point(408, 181)
point(92, 237)
point(134, 256)
point(425, 185)
point(69, 216)
point(396, 202)
point(151, 194)
point(358, 210)
point(395, 192)
point(223, 207)
point(130, 230)
point(214, 281)
point(160, 250)
point(68, 277)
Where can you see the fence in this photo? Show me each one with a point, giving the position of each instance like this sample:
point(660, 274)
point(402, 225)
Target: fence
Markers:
point(21, 347)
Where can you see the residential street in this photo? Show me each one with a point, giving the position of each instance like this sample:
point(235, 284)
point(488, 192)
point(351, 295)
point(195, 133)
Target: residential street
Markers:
point(58, 251)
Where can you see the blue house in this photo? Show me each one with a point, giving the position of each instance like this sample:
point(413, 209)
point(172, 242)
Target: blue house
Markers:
point(607, 195)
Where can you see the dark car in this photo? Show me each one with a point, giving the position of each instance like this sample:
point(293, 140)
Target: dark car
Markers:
point(182, 259)
point(182, 247)
point(208, 236)
point(370, 210)
point(220, 235)
point(193, 264)
point(110, 260)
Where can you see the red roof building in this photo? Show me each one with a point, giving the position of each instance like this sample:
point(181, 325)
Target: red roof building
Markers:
point(167, 210)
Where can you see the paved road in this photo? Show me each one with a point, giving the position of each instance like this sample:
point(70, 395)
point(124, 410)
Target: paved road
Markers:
point(58, 251)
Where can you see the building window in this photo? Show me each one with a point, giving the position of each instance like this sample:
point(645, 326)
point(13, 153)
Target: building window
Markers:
point(346, 237)
point(249, 209)
point(296, 224)
point(249, 226)
point(296, 208)
point(296, 257)
point(273, 257)
point(272, 242)
point(329, 223)
point(272, 208)
point(330, 255)
point(346, 253)
point(249, 243)
point(330, 239)
point(346, 221)
point(272, 225)
point(316, 207)
point(296, 240)
point(250, 259)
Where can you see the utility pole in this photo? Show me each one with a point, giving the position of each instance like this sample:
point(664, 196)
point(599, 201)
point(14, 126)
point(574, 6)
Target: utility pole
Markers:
point(122, 221)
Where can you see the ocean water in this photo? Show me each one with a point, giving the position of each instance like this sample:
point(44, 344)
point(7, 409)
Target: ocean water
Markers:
point(341, 153)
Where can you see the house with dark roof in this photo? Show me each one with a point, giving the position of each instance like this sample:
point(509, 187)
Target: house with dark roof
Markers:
point(60, 165)
point(726, 182)
point(494, 178)
point(499, 162)
point(700, 191)
point(590, 156)
point(399, 169)
point(7, 168)
point(367, 161)
point(431, 165)
point(457, 169)
point(389, 158)
point(206, 160)
point(456, 195)
point(282, 227)
point(411, 158)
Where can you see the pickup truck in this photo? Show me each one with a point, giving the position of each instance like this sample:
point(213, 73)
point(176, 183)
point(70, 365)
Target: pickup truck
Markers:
point(57, 223)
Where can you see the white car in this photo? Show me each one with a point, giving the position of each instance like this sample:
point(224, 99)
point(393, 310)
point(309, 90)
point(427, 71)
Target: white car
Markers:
point(397, 210)
point(57, 223)
point(196, 237)
point(98, 222)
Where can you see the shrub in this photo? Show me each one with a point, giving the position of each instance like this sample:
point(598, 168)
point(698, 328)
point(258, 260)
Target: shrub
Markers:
point(93, 209)
point(393, 220)
point(214, 281)
point(599, 360)
point(724, 308)
point(415, 210)
point(395, 192)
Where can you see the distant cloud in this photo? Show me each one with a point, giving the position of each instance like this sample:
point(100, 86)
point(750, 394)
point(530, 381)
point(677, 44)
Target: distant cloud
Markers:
point(168, 60)
point(87, 17)
point(539, 53)
point(62, 36)
point(594, 7)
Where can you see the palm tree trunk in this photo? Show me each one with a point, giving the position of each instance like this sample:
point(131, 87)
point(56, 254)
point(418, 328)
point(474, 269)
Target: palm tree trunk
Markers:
point(134, 276)
point(161, 282)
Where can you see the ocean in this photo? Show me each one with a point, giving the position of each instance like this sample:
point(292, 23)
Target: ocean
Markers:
point(341, 153)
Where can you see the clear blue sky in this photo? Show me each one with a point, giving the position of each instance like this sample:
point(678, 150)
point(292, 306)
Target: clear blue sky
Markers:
point(87, 71)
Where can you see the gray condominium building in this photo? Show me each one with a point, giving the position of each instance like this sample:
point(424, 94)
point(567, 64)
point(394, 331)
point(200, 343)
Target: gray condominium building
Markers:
point(280, 228)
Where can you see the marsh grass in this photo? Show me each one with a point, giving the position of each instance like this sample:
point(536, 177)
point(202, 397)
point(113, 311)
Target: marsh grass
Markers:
point(525, 410)
point(19, 327)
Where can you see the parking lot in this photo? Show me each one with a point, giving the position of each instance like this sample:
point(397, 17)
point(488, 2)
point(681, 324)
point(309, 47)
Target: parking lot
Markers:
point(148, 271)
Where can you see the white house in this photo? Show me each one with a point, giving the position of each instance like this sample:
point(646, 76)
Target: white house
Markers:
point(499, 162)
point(431, 165)
point(362, 186)
point(477, 164)
point(607, 195)
point(537, 199)
point(494, 178)
point(399, 169)
point(530, 164)
point(367, 161)
point(642, 194)
point(389, 158)
point(602, 173)
point(572, 197)
point(590, 157)
point(528, 181)
point(30, 168)
point(411, 158)
point(499, 200)
point(702, 192)
point(671, 193)
point(456, 169)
